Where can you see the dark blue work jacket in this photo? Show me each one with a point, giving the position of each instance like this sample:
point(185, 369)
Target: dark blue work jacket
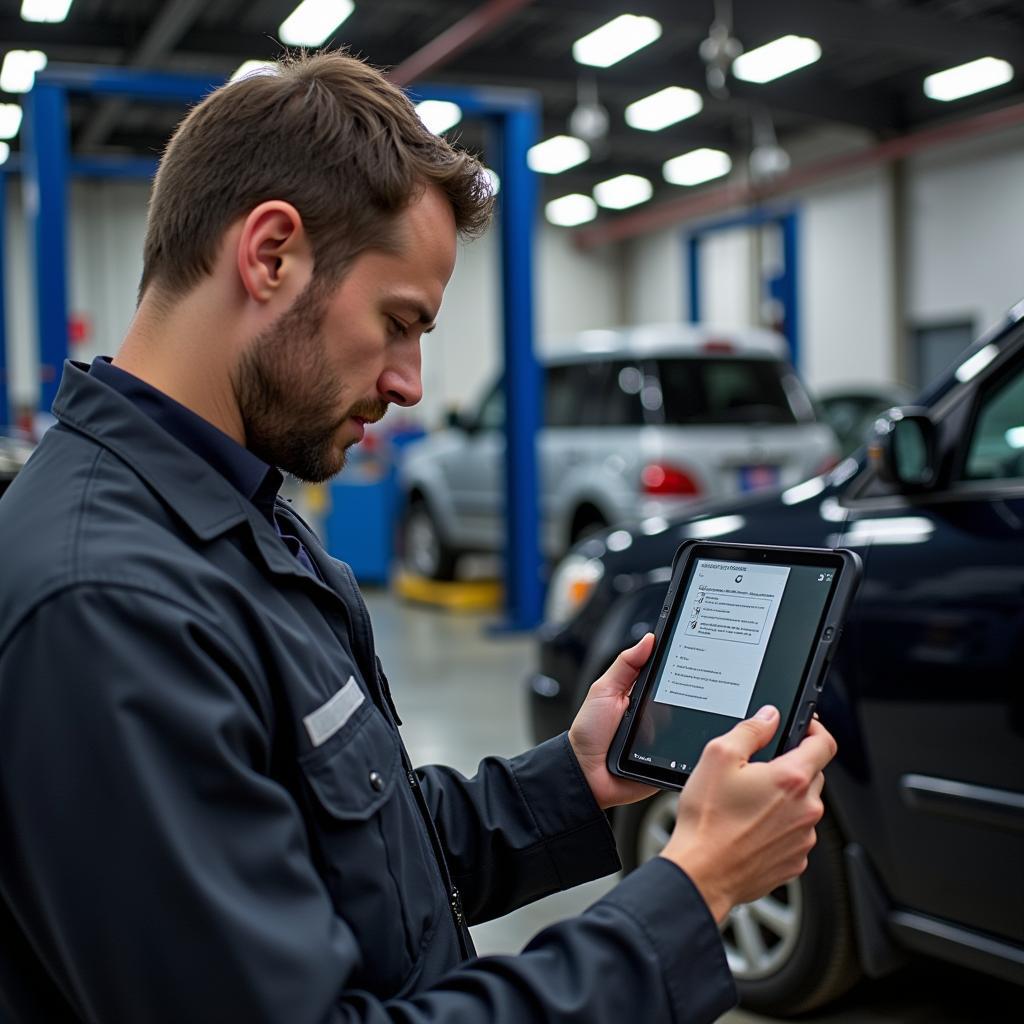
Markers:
point(206, 811)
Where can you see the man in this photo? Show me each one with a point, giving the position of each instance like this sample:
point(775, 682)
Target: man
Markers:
point(207, 812)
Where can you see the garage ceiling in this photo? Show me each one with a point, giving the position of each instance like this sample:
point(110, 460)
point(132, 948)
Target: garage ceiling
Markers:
point(875, 55)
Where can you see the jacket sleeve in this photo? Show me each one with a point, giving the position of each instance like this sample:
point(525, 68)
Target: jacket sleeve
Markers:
point(520, 829)
point(161, 875)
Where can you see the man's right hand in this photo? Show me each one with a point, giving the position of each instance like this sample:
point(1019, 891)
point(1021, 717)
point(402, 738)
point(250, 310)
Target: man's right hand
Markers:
point(743, 828)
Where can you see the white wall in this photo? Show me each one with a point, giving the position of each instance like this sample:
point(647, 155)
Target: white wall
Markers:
point(105, 230)
point(966, 232)
point(655, 281)
point(845, 284)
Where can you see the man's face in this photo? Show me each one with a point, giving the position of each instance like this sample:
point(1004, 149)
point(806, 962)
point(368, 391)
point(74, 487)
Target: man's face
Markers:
point(335, 360)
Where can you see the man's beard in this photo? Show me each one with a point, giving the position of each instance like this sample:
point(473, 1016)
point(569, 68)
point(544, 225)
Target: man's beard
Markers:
point(288, 397)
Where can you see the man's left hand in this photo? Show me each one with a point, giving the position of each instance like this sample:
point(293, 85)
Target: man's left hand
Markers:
point(595, 724)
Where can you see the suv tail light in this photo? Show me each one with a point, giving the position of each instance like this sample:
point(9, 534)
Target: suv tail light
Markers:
point(663, 479)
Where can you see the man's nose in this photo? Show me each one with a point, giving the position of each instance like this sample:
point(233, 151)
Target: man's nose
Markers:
point(401, 383)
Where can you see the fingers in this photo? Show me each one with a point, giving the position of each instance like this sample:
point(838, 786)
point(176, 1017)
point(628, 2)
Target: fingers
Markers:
point(624, 669)
point(814, 752)
point(745, 739)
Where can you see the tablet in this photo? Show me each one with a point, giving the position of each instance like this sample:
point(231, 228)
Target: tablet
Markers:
point(743, 625)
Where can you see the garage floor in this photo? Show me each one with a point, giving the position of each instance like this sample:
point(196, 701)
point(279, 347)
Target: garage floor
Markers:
point(460, 693)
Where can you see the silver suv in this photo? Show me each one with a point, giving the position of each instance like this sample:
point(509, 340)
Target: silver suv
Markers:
point(638, 423)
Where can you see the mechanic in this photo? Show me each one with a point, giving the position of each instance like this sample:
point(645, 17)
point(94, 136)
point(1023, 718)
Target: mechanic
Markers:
point(206, 811)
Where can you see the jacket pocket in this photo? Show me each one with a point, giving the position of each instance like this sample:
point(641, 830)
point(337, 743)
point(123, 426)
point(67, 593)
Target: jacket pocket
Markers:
point(371, 854)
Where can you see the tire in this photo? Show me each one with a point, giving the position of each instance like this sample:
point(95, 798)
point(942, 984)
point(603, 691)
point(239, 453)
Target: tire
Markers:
point(791, 951)
point(424, 551)
point(586, 521)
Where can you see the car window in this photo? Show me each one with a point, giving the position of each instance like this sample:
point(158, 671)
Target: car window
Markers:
point(996, 449)
point(492, 412)
point(724, 390)
point(622, 393)
point(586, 395)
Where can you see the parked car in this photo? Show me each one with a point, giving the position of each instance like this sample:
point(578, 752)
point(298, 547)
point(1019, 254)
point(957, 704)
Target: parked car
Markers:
point(851, 411)
point(13, 455)
point(642, 421)
point(922, 845)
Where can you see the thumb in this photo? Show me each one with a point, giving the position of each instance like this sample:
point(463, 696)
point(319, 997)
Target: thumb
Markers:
point(749, 736)
point(622, 672)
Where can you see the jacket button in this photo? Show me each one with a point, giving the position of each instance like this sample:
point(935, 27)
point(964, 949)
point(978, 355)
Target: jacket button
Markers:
point(377, 781)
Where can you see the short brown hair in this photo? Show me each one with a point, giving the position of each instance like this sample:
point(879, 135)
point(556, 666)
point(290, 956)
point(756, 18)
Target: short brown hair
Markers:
point(325, 132)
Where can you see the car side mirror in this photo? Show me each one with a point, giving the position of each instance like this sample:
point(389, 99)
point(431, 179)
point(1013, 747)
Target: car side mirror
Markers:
point(456, 420)
point(903, 448)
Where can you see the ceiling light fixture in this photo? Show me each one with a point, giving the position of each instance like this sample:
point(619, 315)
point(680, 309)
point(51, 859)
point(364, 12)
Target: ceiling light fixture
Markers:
point(623, 191)
point(662, 108)
point(5, 152)
point(254, 67)
point(313, 21)
point(967, 79)
point(439, 115)
point(775, 59)
point(571, 210)
point(616, 40)
point(557, 154)
point(50, 11)
point(19, 69)
point(10, 120)
point(697, 166)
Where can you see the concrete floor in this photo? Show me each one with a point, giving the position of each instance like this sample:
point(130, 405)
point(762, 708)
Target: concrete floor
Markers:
point(460, 693)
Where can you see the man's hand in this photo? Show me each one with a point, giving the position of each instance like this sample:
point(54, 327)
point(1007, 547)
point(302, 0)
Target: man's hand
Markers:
point(744, 828)
point(595, 724)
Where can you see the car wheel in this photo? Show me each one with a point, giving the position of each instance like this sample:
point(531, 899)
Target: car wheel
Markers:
point(424, 551)
point(587, 520)
point(790, 951)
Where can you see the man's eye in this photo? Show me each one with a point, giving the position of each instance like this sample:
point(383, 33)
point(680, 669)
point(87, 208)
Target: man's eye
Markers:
point(397, 327)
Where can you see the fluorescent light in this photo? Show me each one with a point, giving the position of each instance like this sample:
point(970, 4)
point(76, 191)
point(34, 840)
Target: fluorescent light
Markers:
point(10, 120)
point(5, 152)
point(967, 79)
point(1015, 437)
point(663, 108)
point(617, 39)
point(44, 10)
point(623, 191)
point(19, 69)
point(803, 492)
point(557, 154)
point(697, 166)
point(254, 67)
point(775, 59)
point(970, 368)
point(717, 527)
point(313, 21)
point(571, 210)
point(439, 115)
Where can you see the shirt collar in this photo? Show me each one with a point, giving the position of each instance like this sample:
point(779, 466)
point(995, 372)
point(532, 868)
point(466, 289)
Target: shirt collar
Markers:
point(249, 474)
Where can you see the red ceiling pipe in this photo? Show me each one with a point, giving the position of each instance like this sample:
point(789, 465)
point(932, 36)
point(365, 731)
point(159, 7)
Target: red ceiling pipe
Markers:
point(727, 197)
point(453, 41)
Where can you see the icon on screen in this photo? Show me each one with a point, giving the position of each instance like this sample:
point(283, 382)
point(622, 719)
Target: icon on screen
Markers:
point(739, 579)
point(672, 764)
point(821, 577)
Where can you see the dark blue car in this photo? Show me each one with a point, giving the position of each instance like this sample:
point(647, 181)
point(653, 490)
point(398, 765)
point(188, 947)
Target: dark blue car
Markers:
point(922, 846)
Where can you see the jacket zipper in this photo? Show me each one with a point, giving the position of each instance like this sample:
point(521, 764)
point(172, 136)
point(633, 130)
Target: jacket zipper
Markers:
point(454, 896)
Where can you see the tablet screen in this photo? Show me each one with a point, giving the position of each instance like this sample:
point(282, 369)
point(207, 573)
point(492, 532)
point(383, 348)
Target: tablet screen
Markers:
point(742, 637)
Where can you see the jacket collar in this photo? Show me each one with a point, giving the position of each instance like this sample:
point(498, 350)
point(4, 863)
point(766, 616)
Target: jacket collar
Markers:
point(205, 501)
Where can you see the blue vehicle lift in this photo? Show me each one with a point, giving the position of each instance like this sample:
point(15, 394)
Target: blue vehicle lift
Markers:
point(514, 117)
point(783, 287)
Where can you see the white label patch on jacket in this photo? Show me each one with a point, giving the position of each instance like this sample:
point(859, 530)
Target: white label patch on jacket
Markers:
point(323, 723)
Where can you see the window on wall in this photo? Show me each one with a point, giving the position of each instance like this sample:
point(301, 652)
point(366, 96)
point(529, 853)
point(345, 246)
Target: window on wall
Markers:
point(996, 450)
point(935, 347)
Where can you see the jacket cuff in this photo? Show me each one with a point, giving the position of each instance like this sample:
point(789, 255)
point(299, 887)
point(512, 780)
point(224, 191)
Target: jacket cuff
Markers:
point(668, 909)
point(574, 830)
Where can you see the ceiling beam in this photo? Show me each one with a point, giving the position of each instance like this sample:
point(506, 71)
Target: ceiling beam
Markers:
point(162, 35)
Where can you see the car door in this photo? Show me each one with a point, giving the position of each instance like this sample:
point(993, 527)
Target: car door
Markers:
point(473, 474)
point(936, 683)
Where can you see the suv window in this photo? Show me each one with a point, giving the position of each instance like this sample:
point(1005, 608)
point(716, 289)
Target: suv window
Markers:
point(605, 393)
point(724, 390)
point(996, 450)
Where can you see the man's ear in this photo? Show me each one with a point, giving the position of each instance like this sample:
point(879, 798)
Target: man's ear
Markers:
point(274, 255)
